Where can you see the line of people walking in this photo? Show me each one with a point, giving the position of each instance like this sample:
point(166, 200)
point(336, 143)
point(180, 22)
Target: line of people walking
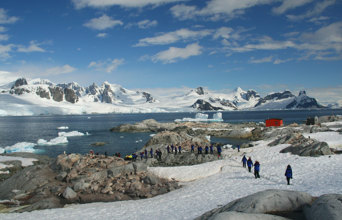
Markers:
point(249, 164)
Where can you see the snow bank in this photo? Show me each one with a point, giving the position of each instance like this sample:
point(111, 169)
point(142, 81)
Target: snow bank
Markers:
point(24, 161)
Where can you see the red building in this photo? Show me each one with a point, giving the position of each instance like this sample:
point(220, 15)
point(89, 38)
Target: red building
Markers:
point(276, 122)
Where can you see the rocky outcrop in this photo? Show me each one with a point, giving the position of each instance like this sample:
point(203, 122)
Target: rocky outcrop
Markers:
point(107, 94)
point(70, 95)
point(304, 101)
point(199, 90)
point(302, 146)
point(19, 82)
point(325, 207)
point(202, 105)
point(148, 125)
point(43, 93)
point(56, 93)
point(148, 97)
point(281, 202)
point(77, 178)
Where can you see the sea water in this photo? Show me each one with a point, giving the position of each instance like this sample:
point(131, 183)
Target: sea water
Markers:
point(52, 135)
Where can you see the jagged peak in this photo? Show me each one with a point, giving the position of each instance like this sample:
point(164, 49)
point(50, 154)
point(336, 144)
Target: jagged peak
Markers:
point(302, 93)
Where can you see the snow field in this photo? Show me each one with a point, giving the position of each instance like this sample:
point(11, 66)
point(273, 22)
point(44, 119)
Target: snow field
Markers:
point(332, 138)
point(211, 185)
point(24, 161)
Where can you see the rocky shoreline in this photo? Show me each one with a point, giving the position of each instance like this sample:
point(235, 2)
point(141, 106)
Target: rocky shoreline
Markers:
point(75, 178)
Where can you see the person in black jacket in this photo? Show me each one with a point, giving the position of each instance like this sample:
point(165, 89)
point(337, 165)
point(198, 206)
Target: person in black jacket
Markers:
point(288, 174)
point(249, 164)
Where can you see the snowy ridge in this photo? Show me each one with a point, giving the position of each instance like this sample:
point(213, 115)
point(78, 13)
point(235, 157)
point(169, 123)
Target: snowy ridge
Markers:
point(42, 97)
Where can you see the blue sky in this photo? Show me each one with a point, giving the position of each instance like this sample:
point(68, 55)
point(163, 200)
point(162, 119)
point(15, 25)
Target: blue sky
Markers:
point(266, 45)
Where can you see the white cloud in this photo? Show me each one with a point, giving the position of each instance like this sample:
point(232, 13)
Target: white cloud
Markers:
point(5, 51)
point(217, 8)
point(2, 29)
point(279, 61)
point(289, 4)
point(262, 60)
point(4, 37)
point(144, 24)
point(172, 37)
point(102, 23)
point(33, 47)
point(327, 95)
point(123, 3)
point(58, 70)
point(107, 66)
point(317, 10)
point(102, 35)
point(7, 77)
point(5, 19)
point(265, 43)
point(173, 53)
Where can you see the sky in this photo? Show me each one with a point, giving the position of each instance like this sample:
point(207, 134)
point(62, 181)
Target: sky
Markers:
point(266, 45)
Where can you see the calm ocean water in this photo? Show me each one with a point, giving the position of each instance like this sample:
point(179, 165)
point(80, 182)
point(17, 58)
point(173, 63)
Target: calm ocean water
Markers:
point(30, 129)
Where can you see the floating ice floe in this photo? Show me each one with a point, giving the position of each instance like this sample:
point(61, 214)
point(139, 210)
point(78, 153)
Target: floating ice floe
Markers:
point(63, 128)
point(217, 117)
point(55, 141)
point(19, 147)
point(70, 134)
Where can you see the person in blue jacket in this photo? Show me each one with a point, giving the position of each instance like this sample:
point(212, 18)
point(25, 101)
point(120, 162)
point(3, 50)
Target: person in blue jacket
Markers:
point(288, 174)
point(249, 164)
point(219, 150)
point(180, 149)
point(206, 149)
point(151, 153)
point(192, 148)
point(244, 161)
point(256, 169)
point(211, 149)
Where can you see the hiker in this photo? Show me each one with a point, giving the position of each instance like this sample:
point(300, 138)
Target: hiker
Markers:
point(141, 155)
point(176, 150)
point(256, 169)
point(219, 150)
point(288, 174)
point(211, 149)
point(249, 164)
point(179, 149)
point(199, 149)
point(238, 147)
point(244, 161)
point(151, 152)
point(168, 149)
point(134, 156)
point(192, 148)
point(206, 149)
point(172, 148)
point(146, 153)
point(159, 154)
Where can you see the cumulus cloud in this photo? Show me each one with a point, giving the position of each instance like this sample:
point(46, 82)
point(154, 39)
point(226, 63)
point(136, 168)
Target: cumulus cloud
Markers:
point(289, 4)
point(108, 66)
point(216, 8)
point(5, 51)
point(173, 54)
point(172, 37)
point(58, 70)
point(33, 47)
point(144, 24)
point(5, 19)
point(123, 3)
point(102, 23)
point(2, 29)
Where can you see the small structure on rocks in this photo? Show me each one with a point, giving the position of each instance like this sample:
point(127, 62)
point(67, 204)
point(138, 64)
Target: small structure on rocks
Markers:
point(274, 122)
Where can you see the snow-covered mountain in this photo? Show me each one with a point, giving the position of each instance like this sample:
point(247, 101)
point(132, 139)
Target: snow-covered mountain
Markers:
point(39, 96)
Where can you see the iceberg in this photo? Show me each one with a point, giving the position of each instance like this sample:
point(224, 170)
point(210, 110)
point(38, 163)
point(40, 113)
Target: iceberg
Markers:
point(63, 128)
point(54, 141)
point(19, 147)
point(201, 117)
point(70, 134)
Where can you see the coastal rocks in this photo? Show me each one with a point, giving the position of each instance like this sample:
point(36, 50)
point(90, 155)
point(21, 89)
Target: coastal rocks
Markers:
point(77, 178)
point(148, 125)
point(325, 207)
point(265, 202)
point(181, 138)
